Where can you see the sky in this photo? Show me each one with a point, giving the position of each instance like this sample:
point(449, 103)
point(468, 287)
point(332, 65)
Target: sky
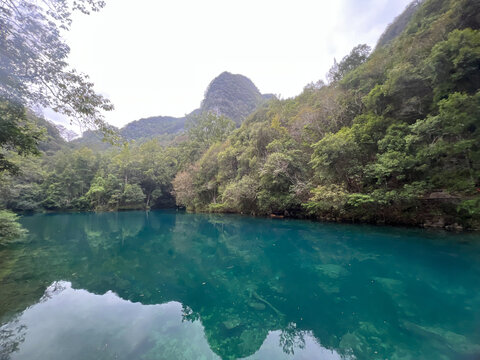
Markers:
point(154, 58)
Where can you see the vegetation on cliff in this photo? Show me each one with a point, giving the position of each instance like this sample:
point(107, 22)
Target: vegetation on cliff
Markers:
point(394, 138)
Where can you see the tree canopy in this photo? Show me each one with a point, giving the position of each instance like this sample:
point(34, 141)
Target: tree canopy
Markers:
point(34, 70)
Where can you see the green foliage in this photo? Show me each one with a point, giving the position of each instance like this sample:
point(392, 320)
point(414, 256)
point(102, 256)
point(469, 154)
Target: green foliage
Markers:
point(357, 57)
point(132, 197)
point(241, 196)
point(327, 199)
point(448, 143)
point(470, 211)
point(17, 133)
point(202, 131)
point(208, 128)
point(335, 157)
point(10, 229)
point(279, 176)
point(34, 73)
point(454, 64)
point(471, 207)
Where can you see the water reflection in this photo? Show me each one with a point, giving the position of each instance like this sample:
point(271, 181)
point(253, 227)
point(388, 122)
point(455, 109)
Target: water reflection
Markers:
point(109, 327)
point(180, 286)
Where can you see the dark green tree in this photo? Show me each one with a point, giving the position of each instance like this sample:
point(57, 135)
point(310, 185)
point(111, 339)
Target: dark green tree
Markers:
point(17, 133)
point(350, 62)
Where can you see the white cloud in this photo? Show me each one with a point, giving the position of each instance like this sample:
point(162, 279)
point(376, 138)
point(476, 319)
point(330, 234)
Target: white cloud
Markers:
point(157, 57)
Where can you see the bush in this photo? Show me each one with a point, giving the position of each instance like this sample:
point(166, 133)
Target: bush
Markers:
point(10, 229)
point(469, 210)
point(327, 200)
point(241, 196)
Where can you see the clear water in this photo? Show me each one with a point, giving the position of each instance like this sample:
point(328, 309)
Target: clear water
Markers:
point(167, 285)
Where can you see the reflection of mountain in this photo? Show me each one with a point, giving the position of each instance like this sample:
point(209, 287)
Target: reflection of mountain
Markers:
point(357, 290)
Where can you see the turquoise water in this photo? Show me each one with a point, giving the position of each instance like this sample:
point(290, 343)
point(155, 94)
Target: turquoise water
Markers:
point(167, 285)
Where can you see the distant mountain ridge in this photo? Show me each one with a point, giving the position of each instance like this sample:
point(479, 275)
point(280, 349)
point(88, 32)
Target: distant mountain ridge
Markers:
point(231, 95)
point(152, 126)
point(66, 134)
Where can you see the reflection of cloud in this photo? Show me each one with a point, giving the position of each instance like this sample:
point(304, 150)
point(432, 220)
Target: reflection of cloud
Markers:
point(76, 324)
point(306, 347)
point(88, 326)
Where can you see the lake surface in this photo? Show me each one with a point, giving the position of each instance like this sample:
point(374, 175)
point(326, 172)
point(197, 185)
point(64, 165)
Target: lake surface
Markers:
point(168, 285)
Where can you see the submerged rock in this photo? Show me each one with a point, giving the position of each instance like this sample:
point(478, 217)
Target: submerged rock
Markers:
point(457, 342)
point(232, 324)
point(333, 271)
point(257, 305)
point(350, 342)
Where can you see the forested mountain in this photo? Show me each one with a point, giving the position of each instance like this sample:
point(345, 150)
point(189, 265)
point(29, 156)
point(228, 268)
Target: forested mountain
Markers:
point(393, 138)
point(232, 95)
point(52, 140)
point(66, 134)
point(162, 127)
point(93, 139)
point(152, 126)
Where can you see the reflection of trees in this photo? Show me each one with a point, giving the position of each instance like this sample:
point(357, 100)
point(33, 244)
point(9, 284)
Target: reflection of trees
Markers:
point(106, 231)
point(188, 314)
point(56, 288)
point(291, 338)
point(11, 336)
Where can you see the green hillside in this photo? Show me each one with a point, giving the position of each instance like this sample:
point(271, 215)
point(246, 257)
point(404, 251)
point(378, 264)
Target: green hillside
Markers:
point(151, 127)
point(395, 140)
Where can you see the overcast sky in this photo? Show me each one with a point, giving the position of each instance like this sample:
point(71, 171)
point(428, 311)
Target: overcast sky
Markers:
point(158, 57)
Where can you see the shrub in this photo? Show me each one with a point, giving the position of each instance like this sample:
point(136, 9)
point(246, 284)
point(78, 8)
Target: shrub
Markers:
point(10, 229)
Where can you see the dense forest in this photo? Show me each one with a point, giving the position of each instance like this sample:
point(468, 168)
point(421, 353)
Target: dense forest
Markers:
point(394, 137)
